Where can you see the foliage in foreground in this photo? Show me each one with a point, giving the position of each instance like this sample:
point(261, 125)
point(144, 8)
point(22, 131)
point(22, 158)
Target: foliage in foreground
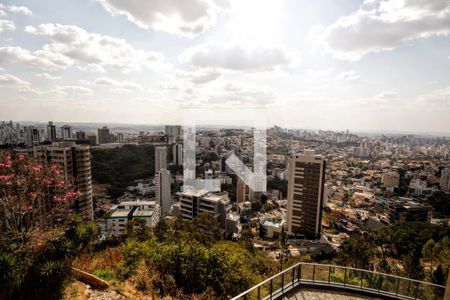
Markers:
point(182, 259)
point(39, 232)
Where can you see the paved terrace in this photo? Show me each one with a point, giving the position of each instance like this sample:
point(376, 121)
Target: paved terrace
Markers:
point(319, 281)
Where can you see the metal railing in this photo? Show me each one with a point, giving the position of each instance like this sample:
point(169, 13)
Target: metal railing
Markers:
point(342, 278)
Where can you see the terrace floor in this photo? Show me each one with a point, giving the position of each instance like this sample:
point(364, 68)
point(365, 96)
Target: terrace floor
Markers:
point(311, 294)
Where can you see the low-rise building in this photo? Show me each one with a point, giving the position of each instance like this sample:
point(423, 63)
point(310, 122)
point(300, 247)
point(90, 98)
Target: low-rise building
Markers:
point(404, 210)
point(116, 223)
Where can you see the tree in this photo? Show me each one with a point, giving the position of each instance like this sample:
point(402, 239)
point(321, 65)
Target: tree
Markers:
point(40, 233)
point(247, 238)
point(262, 231)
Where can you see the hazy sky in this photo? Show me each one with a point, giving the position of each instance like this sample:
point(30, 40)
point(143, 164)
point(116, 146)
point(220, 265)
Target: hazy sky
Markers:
point(379, 65)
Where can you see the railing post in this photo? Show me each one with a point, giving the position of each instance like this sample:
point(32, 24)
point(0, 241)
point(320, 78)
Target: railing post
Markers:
point(329, 274)
point(345, 276)
point(398, 286)
point(282, 283)
point(299, 274)
point(293, 276)
point(271, 289)
point(361, 279)
point(259, 292)
point(380, 284)
point(314, 272)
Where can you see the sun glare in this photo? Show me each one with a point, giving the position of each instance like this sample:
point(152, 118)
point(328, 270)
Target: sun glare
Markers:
point(255, 21)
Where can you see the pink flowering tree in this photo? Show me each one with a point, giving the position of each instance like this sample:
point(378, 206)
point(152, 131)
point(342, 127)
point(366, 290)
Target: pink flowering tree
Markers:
point(38, 229)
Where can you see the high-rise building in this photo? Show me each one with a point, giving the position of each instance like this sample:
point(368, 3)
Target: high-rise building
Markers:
point(66, 132)
point(103, 135)
point(163, 196)
point(445, 179)
point(92, 138)
point(160, 158)
point(51, 131)
point(119, 138)
point(32, 136)
point(177, 154)
point(75, 163)
point(80, 135)
point(241, 191)
point(173, 132)
point(305, 194)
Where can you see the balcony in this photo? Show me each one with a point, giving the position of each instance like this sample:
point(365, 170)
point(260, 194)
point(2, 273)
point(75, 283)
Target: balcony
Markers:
point(290, 284)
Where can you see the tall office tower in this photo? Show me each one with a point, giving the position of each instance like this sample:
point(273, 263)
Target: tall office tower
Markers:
point(32, 136)
point(445, 179)
point(305, 194)
point(177, 154)
point(75, 163)
point(80, 135)
point(92, 139)
point(66, 132)
point(173, 132)
point(241, 191)
point(223, 164)
point(160, 158)
point(119, 138)
point(103, 135)
point(163, 196)
point(51, 131)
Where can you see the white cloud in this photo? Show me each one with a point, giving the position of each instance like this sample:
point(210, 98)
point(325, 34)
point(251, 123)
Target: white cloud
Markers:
point(200, 76)
point(92, 48)
point(11, 80)
point(93, 68)
point(383, 25)
point(238, 57)
point(74, 89)
point(14, 9)
point(183, 17)
point(48, 76)
point(118, 86)
point(438, 99)
point(348, 75)
point(42, 59)
point(7, 25)
point(20, 9)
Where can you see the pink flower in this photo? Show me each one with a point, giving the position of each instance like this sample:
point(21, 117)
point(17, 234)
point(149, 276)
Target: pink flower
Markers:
point(37, 168)
point(61, 184)
point(21, 157)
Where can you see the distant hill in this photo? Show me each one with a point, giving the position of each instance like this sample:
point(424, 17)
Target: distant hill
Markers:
point(119, 167)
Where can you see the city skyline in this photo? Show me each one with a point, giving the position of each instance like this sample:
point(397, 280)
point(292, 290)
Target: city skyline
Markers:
point(371, 65)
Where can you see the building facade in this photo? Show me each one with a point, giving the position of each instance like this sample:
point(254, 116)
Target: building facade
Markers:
point(162, 192)
point(305, 194)
point(160, 158)
point(177, 154)
point(146, 211)
point(75, 163)
point(103, 135)
point(444, 182)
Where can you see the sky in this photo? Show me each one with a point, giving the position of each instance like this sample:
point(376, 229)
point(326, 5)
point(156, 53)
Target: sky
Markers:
point(332, 64)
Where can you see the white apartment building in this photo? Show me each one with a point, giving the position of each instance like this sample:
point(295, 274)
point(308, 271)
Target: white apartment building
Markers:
point(444, 182)
point(116, 223)
point(163, 192)
point(160, 158)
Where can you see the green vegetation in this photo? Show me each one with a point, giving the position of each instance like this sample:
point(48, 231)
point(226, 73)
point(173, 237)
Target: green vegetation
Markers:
point(441, 204)
point(186, 258)
point(119, 167)
point(411, 246)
